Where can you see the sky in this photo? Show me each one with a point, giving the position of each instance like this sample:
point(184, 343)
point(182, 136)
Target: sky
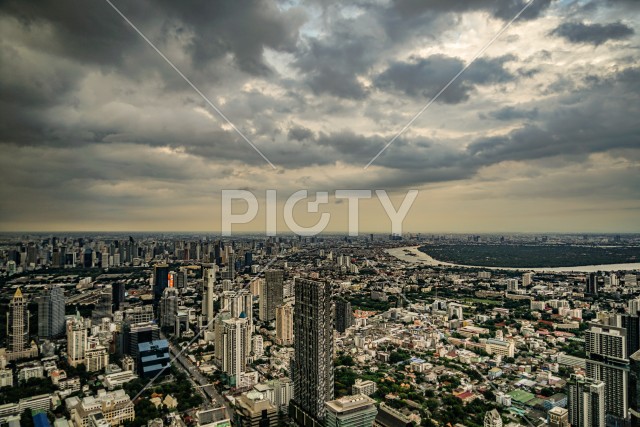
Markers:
point(541, 133)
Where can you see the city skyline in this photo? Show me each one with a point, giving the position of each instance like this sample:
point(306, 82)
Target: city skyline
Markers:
point(539, 133)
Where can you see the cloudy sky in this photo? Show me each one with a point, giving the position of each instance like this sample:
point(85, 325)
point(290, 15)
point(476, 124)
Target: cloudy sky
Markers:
point(540, 133)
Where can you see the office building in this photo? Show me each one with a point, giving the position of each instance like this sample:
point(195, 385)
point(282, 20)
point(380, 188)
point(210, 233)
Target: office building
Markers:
point(592, 284)
point(312, 365)
point(77, 341)
point(351, 411)
point(284, 325)
point(160, 283)
point(51, 313)
point(344, 315)
point(586, 401)
point(118, 295)
point(153, 358)
point(631, 322)
point(104, 305)
point(136, 334)
point(168, 309)
point(271, 295)
point(254, 410)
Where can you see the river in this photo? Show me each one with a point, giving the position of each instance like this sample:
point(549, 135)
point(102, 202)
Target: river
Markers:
point(422, 258)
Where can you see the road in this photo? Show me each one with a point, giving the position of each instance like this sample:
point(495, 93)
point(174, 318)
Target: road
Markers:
point(205, 387)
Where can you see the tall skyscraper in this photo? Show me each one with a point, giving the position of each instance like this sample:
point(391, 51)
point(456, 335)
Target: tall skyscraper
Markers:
point(209, 282)
point(608, 361)
point(18, 323)
point(236, 340)
point(634, 389)
point(271, 295)
point(344, 315)
point(586, 401)
point(51, 313)
point(160, 283)
point(592, 284)
point(284, 324)
point(313, 352)
point(76, 340)
point(631, 322)
point(118, 295)
point(104, 306)
point(169, 308)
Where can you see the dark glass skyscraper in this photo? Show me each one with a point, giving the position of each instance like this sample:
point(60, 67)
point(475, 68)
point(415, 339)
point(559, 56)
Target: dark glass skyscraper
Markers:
point(51, 313)
point(313, 352)
point(344, 315)
point(273, 294)
point(160, 283)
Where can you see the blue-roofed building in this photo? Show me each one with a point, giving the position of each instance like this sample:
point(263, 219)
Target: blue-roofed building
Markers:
point(153, 357)
point(40, 420)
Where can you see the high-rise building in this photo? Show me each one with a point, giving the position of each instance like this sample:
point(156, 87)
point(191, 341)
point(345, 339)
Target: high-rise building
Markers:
point(104, 306)
point(312, 366)
point(631, 322)
point(134, 334)
point(96, 357)
point(168, 308)
point(271, 295)
point(76, 340)
point(527, 279)
point(558, 417)
point(236, 342)
point(607, 361)
point(218, 334)
point(284, 325)
point(586, 401)
point(254, 410)
point(492, 419)
point(209, 282)
point(351, 411)
point(160, 283)
point(51, 313)
point(18, 329)
point(592, 284)
point(118, 294)
point(634, 389)
point(344, 315)
point(153, 358)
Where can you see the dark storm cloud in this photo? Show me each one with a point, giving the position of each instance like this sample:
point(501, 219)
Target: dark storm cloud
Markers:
point(300, 133)
point(502, 9)
point(95, 33)
point(595, 34)
point(511, 113)
point(424, 77)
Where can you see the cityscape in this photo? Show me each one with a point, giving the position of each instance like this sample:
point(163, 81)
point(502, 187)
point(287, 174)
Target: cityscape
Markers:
point(314, 213)
point(182, 330)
